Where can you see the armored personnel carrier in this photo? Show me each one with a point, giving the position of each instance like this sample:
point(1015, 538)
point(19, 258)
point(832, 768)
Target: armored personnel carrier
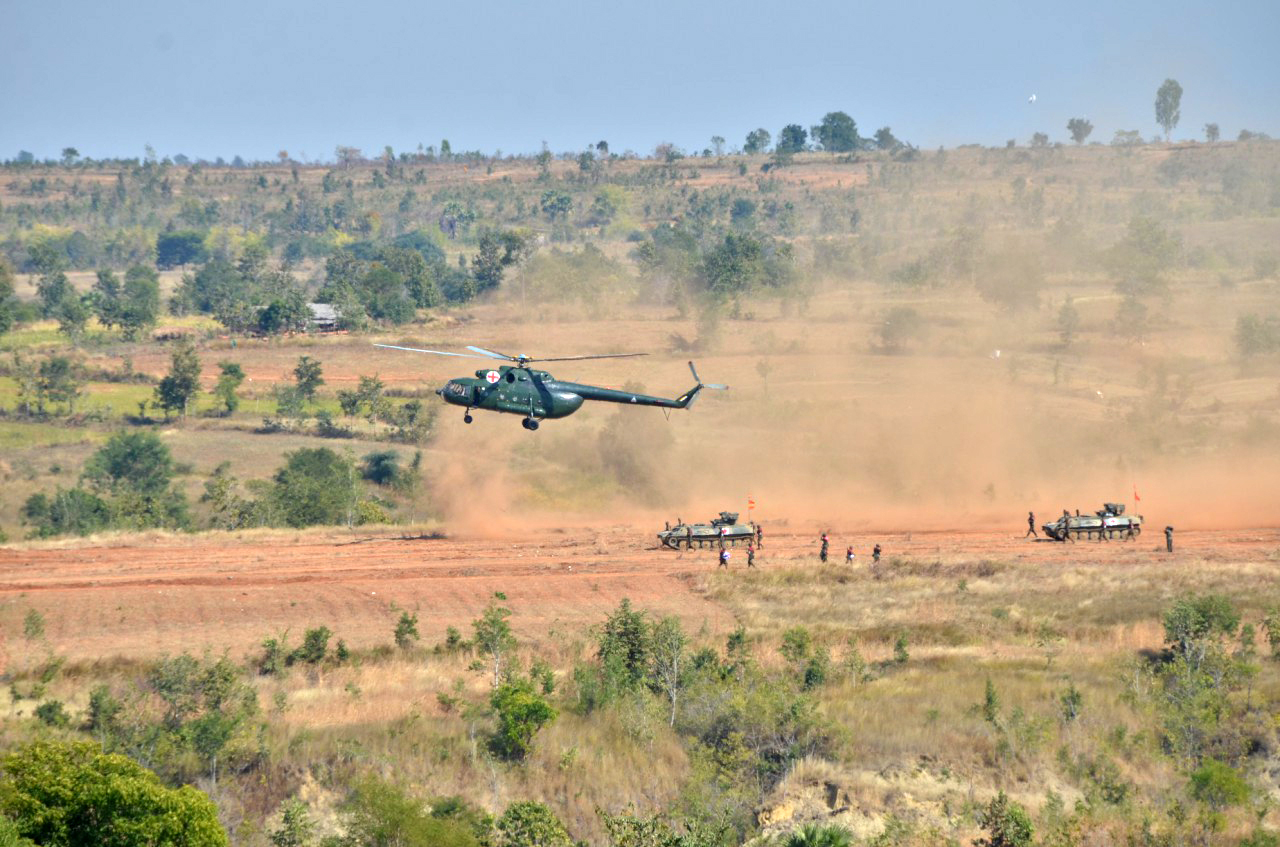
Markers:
point(724, 527)
point(1108, 522)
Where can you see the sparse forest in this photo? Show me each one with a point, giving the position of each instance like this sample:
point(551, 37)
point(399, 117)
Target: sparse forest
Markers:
point(950, 334)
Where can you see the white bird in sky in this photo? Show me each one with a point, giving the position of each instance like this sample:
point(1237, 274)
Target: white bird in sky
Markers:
point(1031, 99)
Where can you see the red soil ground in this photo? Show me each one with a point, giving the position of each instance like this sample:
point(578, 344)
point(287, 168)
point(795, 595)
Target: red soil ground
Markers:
point(146, 597)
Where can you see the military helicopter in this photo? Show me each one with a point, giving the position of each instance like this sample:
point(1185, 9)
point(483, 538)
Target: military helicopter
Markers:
point(521, 390)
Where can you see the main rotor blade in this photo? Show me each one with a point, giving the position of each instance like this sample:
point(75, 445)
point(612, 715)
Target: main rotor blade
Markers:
point(435, 352)
point(716, 386)
point(491, 354)
point(599, 356)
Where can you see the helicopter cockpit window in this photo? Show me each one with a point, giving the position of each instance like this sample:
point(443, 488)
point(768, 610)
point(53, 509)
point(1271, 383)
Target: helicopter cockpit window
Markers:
point(511, 377)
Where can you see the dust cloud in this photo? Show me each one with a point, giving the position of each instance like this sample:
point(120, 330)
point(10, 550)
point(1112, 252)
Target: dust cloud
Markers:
point(832, 432)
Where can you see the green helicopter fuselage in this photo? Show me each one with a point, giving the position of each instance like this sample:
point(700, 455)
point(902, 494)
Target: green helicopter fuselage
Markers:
point(537, 394)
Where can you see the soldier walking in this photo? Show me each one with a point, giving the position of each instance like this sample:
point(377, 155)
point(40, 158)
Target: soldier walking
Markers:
point(751, 555)
point(848, 555)
point(760, 536)
point(875, 553)
point(1031, 525)
point(822, 554)
point(724, 558)
point(1168, 538)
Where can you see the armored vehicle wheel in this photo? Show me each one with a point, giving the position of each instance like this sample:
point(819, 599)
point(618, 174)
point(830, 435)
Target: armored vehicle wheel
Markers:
point(467, 418)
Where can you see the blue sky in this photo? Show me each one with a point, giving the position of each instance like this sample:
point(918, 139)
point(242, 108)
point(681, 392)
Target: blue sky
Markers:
point(251, 78)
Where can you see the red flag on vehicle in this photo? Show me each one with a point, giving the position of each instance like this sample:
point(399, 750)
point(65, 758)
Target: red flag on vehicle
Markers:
point(751, 504)
point(1136, 498)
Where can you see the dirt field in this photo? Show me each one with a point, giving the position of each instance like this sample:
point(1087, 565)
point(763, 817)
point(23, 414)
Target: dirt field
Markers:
point(146, 598)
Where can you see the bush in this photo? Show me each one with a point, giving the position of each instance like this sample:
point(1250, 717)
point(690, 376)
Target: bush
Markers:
point(315, 646)
point(74, 795)
point(1007, 824)
point(51, 713)
point(530, 824)
point(406, 630)
point(381, 813)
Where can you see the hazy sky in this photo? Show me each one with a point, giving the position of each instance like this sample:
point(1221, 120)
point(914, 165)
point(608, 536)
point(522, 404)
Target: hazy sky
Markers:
point(251, 78)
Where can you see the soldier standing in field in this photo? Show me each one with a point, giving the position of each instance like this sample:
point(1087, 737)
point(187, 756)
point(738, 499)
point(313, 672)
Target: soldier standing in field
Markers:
point(1031, 525)
point(875, 553)
point(822, 554)
point(751, 555)
point(1168, 538)
point(760, 536)
point(848, 555)
point(724, 558)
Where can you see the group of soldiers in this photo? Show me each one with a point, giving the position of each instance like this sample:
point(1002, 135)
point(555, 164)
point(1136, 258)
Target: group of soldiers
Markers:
point(849, 555)
point(752, 546)
point(823, 552)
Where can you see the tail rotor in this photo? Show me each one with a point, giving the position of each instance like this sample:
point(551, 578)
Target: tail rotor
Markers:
point(692, 395)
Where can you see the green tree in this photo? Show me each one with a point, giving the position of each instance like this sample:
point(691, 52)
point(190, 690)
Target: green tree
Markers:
point(530, 824)
point(885, 139)
point(139, 304)
point(1079, 129)
point(316, 486)
point(296, 827)
point(670, 668)
point(71, 511)
point(734, 265)
point(174, 249)
point(900, 326)
point(71, 794)
point(498, 251)
point(106, 298)
point(307, 376)
point(179, 387)
point(757, 141)
point(134, 472)
point(230, 376)
point(1194, 621)
point(1168, 105)
point(1211, 133)
point(792, 139)
point(72, 314)
point(837, 133)
point(626, 646)
point(1256, 334)
point(59, 380)
point(493, 636)
point(521, 712)
point(8, 299)
point(1138, 261)
point(556, 205)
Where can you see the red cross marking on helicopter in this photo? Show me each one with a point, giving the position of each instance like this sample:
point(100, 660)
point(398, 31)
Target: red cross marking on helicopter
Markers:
point(491, 377)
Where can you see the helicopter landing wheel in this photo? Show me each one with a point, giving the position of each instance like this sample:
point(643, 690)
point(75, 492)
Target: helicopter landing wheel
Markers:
point(467, 418)
point(530, 424)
